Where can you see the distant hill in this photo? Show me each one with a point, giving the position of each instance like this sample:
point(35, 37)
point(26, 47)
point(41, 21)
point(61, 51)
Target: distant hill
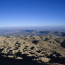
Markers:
point(8, 32)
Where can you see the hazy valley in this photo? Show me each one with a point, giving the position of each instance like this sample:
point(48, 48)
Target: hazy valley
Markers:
point(14, 32)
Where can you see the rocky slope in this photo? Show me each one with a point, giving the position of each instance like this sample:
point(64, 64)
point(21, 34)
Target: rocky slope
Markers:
point(43, 50)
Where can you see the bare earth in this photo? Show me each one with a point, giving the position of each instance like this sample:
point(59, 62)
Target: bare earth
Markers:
point(32, 50)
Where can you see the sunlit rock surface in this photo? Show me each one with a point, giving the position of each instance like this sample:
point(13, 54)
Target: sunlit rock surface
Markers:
point(49, 50)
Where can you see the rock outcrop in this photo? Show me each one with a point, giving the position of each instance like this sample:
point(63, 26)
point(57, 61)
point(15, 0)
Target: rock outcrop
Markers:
point(41, 49)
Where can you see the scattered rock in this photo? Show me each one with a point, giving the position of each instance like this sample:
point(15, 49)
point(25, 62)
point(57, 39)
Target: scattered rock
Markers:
point(63, 44)
point(35, 41)
point(46, 60)
point(42, 48)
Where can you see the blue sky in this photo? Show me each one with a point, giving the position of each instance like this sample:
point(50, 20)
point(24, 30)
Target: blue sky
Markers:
point(18, 13)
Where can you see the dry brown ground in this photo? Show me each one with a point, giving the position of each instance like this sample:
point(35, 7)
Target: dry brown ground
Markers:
point(42, 49)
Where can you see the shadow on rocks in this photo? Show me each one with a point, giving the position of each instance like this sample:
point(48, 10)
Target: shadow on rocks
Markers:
point(11, 61)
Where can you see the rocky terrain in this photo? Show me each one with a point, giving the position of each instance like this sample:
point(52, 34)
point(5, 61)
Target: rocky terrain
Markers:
point(32, 50)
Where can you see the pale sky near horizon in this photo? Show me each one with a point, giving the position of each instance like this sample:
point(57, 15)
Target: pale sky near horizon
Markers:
point(18, 13)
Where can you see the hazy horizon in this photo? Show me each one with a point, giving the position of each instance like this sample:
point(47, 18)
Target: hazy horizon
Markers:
point(40, 28)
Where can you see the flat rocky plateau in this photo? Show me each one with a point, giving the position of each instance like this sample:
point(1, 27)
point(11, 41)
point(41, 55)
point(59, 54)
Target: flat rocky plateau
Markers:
point(32, 50)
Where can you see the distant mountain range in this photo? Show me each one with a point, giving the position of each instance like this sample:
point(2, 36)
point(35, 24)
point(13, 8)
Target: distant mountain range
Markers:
point(7, 32)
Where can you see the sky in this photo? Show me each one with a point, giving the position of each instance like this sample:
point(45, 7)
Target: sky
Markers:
point(18, 13)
